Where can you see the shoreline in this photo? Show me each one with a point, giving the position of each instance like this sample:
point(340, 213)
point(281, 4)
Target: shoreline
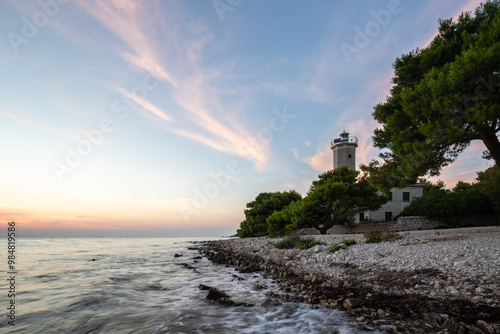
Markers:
point(428, 281)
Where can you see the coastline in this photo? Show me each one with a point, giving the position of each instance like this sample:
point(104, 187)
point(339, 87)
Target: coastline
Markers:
point(428, 281)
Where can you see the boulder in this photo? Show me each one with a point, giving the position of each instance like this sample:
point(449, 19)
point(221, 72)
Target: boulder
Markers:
point(309, 231)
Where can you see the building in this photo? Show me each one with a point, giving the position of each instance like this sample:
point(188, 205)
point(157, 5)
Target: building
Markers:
point(344, 151)
point(344, 154)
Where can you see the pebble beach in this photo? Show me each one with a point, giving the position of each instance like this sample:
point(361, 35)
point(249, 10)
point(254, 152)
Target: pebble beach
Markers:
point(432, 281)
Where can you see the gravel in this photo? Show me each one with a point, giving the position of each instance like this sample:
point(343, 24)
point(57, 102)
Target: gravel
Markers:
point(453, 271)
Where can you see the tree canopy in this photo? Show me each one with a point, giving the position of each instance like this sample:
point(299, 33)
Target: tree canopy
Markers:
point(334, 198)
point(448, 205)
point(489, 184)
point(444, 96)
point(257, 211)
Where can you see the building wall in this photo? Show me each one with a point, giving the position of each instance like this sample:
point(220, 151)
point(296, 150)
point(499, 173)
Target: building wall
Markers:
point(402, 224)
point(344, 155)
point(397, 204)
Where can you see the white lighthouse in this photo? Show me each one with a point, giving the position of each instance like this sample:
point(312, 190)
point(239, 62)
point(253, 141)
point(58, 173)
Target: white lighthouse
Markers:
point(344, 151)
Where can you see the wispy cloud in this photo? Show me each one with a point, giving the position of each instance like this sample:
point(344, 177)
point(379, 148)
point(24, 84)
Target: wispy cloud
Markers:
point(39, 125)
point(150, 109)
point(171, 50)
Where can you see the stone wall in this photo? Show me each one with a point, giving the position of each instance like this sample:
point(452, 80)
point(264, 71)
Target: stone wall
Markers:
point(401, 224)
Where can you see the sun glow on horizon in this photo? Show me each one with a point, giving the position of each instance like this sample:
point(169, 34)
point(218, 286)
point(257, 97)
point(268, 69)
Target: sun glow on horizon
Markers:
point(143, 118)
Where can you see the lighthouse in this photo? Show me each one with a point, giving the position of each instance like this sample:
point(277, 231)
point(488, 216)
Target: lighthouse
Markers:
point(344, 151)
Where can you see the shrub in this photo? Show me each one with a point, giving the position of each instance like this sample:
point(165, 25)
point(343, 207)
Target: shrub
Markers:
point(349, 242)
point(289, 242)
point(342, 245)
point(376, 236)
point(309, 242)
point(294, 241)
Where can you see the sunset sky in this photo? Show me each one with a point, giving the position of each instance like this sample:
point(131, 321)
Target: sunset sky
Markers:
point(164, 118)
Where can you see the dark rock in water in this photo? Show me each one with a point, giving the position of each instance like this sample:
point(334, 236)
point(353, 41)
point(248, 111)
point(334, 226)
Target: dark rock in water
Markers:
point(239, 278)
point(266, 302)
point(197, 258)
point(155, 287)
point(185, 265)
point(177, 255)
point(220, 296)
point(249, 269)
point(216, 294)
point(93, 260)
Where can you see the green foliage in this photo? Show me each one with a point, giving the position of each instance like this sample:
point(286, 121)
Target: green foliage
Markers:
point(489, 185)
point(377, 236)
point(342, 245)
point(278, 221)
point(349, 242)
point(444, 96)
point(258, 210)
point(337, 247)
point(289, 242)
point(445, 204)
point(295, 241)
point(309, 242)
point(430, 186)
point(334, 199)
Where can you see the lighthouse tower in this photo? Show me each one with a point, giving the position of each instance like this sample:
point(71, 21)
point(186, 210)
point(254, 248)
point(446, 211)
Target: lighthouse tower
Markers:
point(344, 151)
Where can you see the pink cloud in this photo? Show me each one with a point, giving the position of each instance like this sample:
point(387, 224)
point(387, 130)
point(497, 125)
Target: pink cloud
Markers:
point(168, 53)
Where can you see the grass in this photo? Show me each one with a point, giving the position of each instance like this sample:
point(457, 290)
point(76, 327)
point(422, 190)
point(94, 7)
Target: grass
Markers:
point(342, 245)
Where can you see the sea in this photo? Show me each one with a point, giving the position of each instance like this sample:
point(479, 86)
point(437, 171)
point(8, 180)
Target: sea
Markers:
point(143, 285)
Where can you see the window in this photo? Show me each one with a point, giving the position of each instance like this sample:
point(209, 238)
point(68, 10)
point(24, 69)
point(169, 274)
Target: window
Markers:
point(361, 216)
point(388, 216)
point(349, 156)
point(390, 195)
point(406, 196)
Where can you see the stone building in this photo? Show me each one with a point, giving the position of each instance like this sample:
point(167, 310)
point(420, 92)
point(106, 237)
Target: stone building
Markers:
point(344, 154)
point(344, 151)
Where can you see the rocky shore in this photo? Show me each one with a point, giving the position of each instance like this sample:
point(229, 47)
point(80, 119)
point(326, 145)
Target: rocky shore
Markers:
point(445, 281)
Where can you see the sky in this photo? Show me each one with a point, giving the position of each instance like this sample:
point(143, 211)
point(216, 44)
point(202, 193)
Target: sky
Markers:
point(164, 118)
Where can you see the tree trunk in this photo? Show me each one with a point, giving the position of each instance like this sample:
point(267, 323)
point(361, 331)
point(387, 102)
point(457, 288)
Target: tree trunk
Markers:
point(491, 142)
point(323, 229)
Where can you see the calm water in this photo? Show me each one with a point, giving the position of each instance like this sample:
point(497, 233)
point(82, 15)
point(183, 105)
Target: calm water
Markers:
point(138, 286)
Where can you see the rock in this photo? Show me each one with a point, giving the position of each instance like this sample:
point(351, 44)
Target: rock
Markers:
point(475, 330)
point(350, 303)
point(309, 231)
point(266, 302)
point(249, 269)
point(185, 265)
point(318, 249)
point(177, 255)
point(484, 326)
point(220, 296)
point(216, 294)
point(450, 325)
